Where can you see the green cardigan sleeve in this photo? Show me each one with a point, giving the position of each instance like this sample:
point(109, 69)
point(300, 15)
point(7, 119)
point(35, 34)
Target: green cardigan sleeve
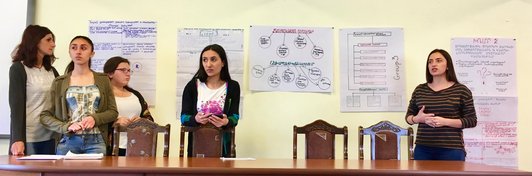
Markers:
point(51, 117)
point(108, 112)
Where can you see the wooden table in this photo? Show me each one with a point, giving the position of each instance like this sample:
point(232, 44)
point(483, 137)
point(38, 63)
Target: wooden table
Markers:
point(117, 166)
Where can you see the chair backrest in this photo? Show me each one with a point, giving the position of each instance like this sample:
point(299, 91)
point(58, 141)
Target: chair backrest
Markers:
point(385, 141)
point(207, 140)
point(319, 140)
point(142, 138)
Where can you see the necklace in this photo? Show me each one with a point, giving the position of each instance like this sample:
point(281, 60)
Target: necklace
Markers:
point(39, 67)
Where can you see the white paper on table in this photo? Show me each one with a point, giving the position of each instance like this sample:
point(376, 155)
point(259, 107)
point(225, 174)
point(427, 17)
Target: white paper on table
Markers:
point(86, 156)
point(41, 157)
point(223, 159)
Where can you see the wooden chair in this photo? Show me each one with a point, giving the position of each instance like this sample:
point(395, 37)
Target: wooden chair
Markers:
point(207, 141)
point(385, 141)
point(142, 138)
point(319, 140)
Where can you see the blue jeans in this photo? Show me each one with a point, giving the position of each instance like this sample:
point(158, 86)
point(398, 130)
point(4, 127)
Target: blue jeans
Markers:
point(81, 143)
point(43, 147)
point(423, 152)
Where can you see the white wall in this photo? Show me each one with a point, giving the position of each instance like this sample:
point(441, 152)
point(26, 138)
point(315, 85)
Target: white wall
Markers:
point(13, 16)
point(266, 130)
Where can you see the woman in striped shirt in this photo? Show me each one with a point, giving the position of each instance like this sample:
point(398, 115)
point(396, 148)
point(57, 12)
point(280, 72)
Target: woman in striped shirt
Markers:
point(442, 107)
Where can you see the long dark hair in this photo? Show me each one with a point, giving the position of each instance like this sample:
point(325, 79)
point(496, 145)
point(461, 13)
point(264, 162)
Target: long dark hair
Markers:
point(224, 74)
point(27, 50)
point(70, 66)
point(449, 74)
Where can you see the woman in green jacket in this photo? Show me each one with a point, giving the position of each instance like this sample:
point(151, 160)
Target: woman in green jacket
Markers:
point(82, 104)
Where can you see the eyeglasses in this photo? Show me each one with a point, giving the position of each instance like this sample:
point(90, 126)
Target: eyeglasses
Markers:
point(124, 70)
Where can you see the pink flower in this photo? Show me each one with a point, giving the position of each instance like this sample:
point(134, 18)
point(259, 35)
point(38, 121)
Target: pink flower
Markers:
point(213, 107)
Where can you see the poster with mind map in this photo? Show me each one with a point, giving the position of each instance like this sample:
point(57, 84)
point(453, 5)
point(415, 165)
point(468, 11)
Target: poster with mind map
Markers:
point(294, 59)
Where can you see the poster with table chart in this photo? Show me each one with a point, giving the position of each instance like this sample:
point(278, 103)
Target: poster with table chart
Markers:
point(494, 140)
point(133, 40)
point(372, 70)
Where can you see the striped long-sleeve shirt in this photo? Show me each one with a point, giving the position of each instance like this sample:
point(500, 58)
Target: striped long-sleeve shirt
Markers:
point(455, 102)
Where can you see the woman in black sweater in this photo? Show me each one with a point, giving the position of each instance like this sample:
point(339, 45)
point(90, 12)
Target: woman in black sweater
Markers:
point(211, 96)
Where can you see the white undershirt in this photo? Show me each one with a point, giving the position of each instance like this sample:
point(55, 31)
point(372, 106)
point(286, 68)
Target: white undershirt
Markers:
point(38, 85)
point(127, 107)
point(211, 100)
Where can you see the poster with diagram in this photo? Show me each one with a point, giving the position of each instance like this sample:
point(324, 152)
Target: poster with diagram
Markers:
point(133, 40)
point(372, 69)
point(293, 59)
point(190, 43)
point(487, 67)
